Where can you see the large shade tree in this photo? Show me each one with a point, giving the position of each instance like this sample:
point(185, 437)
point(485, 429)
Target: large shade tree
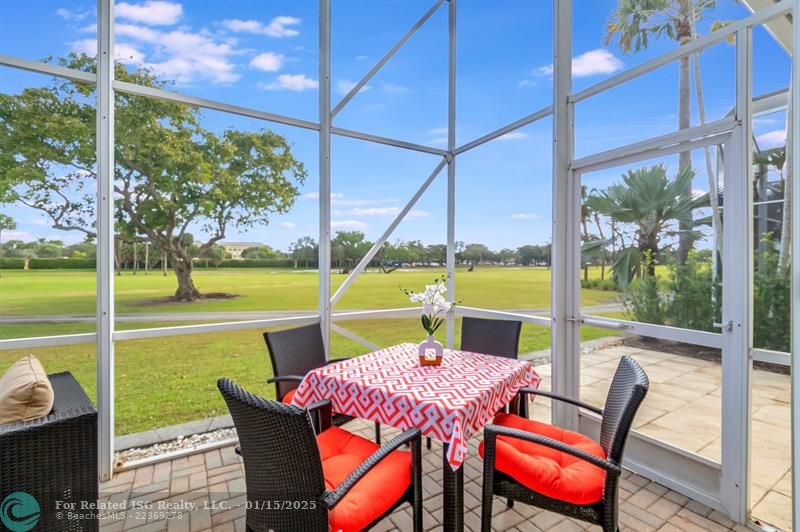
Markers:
point(172, 175)
point(655, 209)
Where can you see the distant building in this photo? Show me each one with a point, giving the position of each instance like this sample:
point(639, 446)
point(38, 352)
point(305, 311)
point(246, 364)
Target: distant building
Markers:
point(236, 248)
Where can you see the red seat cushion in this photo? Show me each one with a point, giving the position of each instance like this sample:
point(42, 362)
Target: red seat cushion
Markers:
point(545, 470)
point(287, 399)
point(375, 493)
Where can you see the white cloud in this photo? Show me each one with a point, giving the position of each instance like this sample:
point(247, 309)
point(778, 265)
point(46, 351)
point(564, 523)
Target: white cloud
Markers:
point(152, 12)
point(361, 57)
point(771, 139)
point(287, 225)
point(395, 90)
point(525, 216)
point(186, 56)
point(16, 235)
point(139, 33)
point(292, 82)
point(124, 53)
point(356, 202)
point(344, 86)
point(514, 135)
point(72, 16)
point(437, 136)
point(348, 224)
point(315, 195)
point(268, 62)
point(527, 83)
point(591, 63)
point(277, 27)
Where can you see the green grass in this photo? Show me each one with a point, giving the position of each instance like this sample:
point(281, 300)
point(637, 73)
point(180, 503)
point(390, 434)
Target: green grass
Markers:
point(48, 292)
point(163, 381)
point(168, 380)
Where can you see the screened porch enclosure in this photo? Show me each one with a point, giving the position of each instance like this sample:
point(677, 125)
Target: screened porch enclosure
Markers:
point(718, 426)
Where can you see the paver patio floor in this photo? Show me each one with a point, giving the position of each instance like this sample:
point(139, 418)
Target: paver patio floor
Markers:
point(683, 409)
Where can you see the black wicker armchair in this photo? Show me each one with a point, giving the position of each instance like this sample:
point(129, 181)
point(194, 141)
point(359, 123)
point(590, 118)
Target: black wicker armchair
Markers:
point(494, 337)
point(54, 458)
point(294, 352)
point(299, 480)
point(559, 470)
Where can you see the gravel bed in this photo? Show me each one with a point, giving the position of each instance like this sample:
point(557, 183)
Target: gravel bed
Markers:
point(178, 444)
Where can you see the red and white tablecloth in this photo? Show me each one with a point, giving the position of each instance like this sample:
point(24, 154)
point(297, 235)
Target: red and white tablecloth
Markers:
point(450, 403)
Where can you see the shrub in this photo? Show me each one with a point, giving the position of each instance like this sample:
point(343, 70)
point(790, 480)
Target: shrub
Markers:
point(642, 300)
point(61, 264)
point(598, 284)
point(693, 294)
point(247, 263)
point(11, 264)
point(771, 302)
point(690, 297)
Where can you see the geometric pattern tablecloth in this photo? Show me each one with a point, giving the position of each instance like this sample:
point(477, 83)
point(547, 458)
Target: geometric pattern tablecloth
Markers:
point(450, 403)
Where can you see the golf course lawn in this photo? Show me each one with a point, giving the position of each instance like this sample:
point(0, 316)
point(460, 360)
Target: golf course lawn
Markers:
point(50, 292)
point(168, 380)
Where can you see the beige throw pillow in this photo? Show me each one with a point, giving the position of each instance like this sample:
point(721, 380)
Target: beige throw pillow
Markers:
point(25, 391)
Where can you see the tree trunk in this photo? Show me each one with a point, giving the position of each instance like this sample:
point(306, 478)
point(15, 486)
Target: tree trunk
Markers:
point(182, 266)
point(117, 256)
point(684, 35)
point(713, 187)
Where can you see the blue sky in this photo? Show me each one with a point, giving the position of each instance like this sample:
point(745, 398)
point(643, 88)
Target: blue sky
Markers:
point(263, 55)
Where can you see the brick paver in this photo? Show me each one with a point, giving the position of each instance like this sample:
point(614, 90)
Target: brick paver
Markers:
point(214, 482)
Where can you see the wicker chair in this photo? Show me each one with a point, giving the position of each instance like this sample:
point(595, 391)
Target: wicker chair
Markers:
point(294, 352)
point(288, 468)
point(586, 485)
point(54, 458)
point(495, 337)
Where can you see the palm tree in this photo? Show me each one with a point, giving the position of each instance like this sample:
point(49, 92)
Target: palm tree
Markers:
point(654, 209)
point(633, 23)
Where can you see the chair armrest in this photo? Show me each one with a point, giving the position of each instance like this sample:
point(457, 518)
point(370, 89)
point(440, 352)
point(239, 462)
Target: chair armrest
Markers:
point(335, 360)
point(285, 378)
point(492, 431)
point(576, 402)
point(332, 498)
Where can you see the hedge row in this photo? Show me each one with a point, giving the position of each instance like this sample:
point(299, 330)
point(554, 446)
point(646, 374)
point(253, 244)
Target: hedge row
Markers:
point(249, 263)
point(47, 264)
point(89, 264)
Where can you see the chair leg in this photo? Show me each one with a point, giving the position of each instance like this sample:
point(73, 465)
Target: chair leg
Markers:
point(523, 406)
point(377, 433)
point(509, 503)
point(488, 491)
point(416, 461)
point(428, 443)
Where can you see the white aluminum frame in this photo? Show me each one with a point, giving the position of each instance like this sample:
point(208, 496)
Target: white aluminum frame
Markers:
point(105, 237)
point(724, 485)
point(795, 331)
point(565, 252)
point(324, 244)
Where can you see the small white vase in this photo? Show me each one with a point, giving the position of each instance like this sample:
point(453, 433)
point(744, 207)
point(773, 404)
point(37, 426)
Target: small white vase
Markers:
point(430, 352)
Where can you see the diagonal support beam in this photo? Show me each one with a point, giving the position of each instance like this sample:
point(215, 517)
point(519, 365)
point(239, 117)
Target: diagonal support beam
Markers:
point(360, 85)
point(350, 335)
point(513, 126)
point(386, 234)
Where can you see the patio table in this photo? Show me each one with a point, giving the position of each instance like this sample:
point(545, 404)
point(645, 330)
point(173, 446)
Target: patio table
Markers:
point(450, 403)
